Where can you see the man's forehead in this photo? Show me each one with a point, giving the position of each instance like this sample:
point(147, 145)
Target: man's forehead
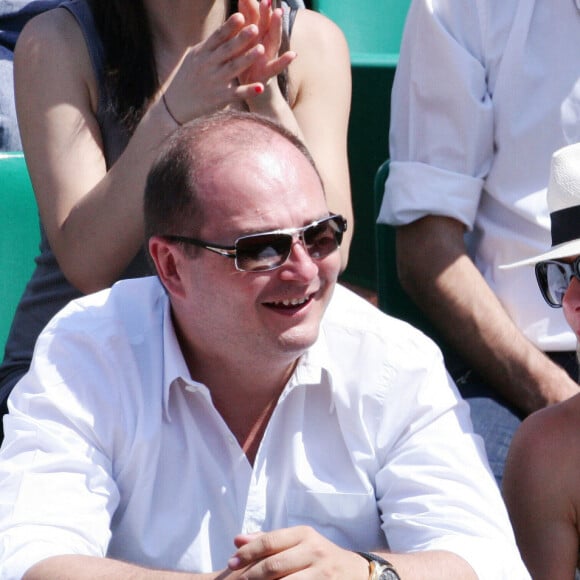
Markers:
point(283, 165)
point(260, 191)
point(219, 148)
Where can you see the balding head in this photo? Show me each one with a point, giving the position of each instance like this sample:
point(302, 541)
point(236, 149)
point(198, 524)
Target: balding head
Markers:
point(175, 194)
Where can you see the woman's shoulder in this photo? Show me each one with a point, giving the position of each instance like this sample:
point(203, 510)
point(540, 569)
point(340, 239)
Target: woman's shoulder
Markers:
point(55, 29)
point(312, 29)
point(542, 468)
point(550, 436)
point(321, 48)
point(51, 44)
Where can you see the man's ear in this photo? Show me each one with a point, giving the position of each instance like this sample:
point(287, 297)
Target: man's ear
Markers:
point(169, 259)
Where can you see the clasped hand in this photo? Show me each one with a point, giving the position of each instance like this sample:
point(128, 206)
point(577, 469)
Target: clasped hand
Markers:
point(299, 552)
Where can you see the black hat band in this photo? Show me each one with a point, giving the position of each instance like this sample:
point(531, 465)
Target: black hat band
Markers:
point(565, 225)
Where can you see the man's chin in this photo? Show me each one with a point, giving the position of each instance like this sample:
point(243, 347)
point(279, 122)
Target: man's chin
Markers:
point(297, 342)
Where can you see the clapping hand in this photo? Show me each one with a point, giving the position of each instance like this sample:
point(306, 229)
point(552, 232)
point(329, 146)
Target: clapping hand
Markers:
point(269, 64)
point(213, 74)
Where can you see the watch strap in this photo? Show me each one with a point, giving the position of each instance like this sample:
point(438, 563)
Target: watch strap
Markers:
point(379, 568)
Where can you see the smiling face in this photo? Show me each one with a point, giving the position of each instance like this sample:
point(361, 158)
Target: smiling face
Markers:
point(258, 318)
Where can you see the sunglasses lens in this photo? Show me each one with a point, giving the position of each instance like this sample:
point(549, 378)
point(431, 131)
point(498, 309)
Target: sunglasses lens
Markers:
point(262, 252)
point(324, 238)
point(554, 279)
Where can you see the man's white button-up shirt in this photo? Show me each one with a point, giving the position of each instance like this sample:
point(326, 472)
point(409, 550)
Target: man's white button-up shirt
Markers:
point(112, 450)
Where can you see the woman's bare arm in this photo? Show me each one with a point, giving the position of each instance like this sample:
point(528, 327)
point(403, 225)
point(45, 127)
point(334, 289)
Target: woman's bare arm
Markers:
point(87, 567)
point(93, 217)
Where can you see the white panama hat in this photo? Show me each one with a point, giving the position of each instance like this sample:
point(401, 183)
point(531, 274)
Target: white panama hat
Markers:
point(564, 205)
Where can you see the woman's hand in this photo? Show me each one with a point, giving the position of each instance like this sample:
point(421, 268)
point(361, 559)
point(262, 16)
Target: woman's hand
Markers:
point(207, 78)
point(269, 22)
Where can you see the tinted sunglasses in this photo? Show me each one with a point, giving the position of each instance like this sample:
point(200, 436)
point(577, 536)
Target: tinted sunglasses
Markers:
point(269, 250)
point(554, 277)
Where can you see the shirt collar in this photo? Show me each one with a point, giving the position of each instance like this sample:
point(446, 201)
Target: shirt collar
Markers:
point(174, 366)
point(315, 366)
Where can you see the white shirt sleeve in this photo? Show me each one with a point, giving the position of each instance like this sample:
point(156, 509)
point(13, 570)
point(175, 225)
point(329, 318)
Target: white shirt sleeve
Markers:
point(435, 489)
point(441, 139)
point(58, 493)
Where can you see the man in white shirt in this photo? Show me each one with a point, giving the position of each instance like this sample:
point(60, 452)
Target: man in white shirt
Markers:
point(241, 417)
point(485, 92)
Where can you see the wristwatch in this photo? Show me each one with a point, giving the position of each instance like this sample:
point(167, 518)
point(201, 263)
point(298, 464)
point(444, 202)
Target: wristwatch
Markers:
point(379, 568)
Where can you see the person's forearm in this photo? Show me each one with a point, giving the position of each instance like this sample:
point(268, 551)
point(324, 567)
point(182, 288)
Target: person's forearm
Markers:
point(451, 291)
point(79, 567)
point(272, 104)
point(109, 218)
point(433, 565)
point(419, 566)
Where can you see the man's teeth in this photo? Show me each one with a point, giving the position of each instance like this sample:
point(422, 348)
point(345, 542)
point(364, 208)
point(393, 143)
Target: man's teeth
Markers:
point(293, 302)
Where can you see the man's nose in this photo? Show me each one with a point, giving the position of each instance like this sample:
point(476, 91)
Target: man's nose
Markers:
point(300, 265)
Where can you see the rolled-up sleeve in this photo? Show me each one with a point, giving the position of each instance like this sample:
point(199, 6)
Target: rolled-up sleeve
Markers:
point(442, 122)
point(435, 489)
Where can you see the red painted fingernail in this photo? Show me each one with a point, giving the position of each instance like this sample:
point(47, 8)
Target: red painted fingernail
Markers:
point(259, 89)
